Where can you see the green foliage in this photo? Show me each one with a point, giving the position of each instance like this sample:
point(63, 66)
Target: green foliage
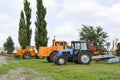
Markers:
point(94, 34)
point(22, 32)
point(9, 45)
point(25, 32)
point(41, 38)
point(27, 10)
point(108, 45)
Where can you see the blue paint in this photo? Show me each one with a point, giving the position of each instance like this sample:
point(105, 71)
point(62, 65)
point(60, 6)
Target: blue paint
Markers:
point(60, 52)
point(114, 60)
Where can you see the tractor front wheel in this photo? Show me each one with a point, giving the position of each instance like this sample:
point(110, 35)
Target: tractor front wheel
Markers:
point(61, 60)
point(27, 55)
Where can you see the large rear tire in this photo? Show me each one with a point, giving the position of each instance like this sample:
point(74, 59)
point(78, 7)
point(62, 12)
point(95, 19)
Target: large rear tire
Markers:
point(84, 57)
point(60, 60)
point(52, 56)
point(48, 59)
point(26, 55)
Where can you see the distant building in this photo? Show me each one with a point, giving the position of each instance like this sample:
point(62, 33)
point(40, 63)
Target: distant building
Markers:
point(1, 49)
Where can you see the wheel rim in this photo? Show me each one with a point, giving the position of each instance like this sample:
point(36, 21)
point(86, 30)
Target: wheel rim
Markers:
point(61, 61)
point(85, 58)
point(27, 56)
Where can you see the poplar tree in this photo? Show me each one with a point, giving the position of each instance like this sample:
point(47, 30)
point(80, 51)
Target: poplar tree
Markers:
point(9, 45)
point(40, 24)
point(25, 32)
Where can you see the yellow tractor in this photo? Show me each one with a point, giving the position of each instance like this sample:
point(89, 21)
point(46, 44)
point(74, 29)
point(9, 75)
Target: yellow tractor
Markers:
point(26, 53)
point(50, 52)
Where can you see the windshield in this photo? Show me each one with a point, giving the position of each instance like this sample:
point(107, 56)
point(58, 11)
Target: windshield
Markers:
point(79, 46)
point(59, 43)
point(83, 46)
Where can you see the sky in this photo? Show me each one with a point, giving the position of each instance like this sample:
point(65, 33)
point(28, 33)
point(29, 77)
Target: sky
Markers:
point(64, 18)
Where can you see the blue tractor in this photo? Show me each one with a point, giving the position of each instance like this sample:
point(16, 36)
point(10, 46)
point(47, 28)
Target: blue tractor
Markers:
point(78, 53)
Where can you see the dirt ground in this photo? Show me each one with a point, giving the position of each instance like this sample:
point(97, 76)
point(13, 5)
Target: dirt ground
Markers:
point(21, 73)
point(3, 60)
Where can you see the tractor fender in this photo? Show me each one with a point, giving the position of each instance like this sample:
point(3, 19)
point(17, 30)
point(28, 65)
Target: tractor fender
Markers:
point(60, 52)
point(86, 50)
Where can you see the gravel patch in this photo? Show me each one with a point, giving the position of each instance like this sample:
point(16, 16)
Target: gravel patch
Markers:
point(3, 60)
point(21, 73)
point(24, 74)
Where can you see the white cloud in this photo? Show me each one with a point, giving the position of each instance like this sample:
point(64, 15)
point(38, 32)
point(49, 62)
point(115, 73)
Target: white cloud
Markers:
point(115, 13)
point(66, 32)
point(51, 5)
point(2, 38)
point(89, 10)
point(9, 27)
point(75, 7)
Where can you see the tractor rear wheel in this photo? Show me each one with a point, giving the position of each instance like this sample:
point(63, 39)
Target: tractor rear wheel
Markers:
point(52, 56)
point(84, 57)
point(26, 55)
point(48, 59)
point(61, 60)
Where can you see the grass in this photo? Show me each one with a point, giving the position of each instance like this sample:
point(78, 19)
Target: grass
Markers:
point(70, 71)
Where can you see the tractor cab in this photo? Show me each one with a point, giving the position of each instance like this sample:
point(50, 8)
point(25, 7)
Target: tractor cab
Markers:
point(79, 45)
point(59, 43)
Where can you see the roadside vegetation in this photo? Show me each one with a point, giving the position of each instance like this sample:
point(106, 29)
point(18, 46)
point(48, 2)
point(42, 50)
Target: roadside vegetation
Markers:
point(70, 71)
